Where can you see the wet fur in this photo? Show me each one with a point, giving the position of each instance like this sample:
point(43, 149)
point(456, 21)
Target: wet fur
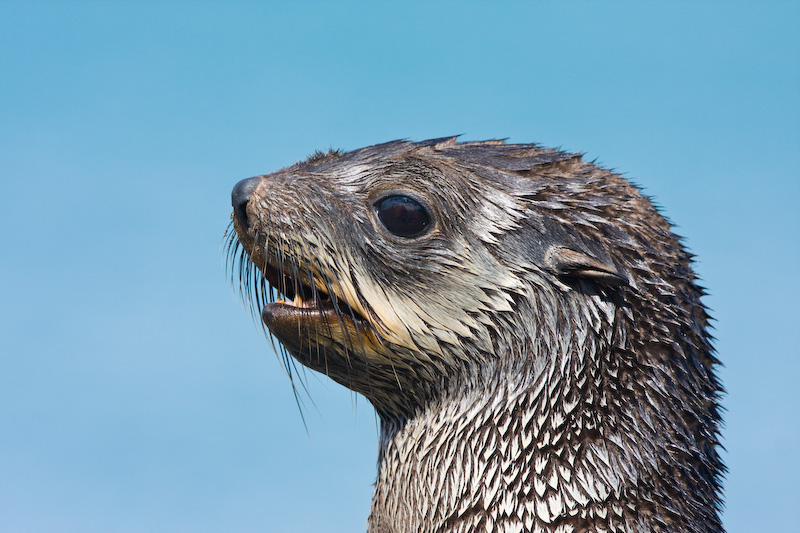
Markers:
point(539, 362)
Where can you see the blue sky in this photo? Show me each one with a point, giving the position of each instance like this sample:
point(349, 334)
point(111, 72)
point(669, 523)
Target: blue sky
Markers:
point(136, 394)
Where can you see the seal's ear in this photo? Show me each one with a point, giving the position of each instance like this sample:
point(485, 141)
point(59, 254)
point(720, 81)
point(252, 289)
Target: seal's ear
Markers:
point(565, 262)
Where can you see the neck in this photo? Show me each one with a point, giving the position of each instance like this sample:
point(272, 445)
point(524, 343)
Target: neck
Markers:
point(608, 431)
point(527, 457)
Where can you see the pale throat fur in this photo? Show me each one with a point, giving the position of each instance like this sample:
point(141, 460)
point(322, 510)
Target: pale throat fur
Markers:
point(525, 323)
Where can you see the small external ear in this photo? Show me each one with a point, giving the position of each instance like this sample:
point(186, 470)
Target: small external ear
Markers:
point(570, 263)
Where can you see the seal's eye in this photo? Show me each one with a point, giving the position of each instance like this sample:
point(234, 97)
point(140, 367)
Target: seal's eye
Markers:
point(403, 216)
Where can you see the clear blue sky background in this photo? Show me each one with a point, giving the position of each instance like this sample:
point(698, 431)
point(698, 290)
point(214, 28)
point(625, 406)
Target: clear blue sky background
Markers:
point(136, 394)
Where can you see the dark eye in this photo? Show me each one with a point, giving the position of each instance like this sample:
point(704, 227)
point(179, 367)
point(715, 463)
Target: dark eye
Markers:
point(403, 216)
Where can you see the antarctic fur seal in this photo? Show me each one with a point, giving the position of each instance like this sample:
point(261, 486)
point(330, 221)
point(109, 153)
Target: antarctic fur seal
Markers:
point(526, 324)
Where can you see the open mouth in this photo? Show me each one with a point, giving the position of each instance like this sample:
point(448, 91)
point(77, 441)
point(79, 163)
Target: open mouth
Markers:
point(293, 291)
point(299, 298)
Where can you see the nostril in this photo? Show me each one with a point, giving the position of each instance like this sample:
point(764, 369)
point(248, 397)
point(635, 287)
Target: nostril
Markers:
point(240, 196)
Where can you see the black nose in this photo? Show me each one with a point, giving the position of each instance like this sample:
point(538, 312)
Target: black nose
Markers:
point(240, 196)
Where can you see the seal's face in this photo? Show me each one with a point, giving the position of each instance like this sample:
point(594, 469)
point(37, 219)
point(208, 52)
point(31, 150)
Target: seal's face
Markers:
point(374, 276)
point(396, 268)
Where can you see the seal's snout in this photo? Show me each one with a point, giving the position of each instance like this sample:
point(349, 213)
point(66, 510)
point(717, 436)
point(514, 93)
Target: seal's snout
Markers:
point(240, 196)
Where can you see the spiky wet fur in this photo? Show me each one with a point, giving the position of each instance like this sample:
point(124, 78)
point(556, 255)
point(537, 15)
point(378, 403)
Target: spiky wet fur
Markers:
point(514, 394)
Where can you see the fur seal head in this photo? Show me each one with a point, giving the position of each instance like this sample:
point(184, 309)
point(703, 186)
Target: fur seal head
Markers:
point(476, 289)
